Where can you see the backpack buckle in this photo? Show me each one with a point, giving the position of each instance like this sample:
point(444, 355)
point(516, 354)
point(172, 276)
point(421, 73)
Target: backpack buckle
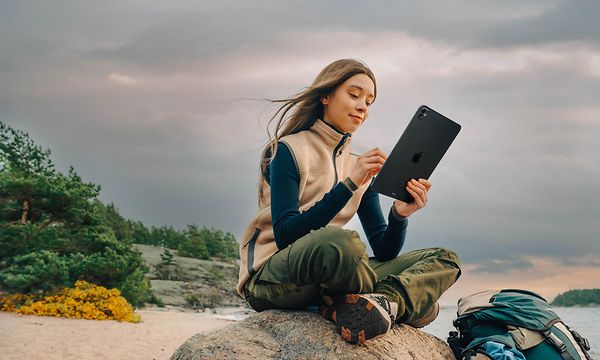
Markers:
point(583, 342)
point(556, 342)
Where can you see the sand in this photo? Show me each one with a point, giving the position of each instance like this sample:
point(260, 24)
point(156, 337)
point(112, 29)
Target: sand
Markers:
point(159, 334)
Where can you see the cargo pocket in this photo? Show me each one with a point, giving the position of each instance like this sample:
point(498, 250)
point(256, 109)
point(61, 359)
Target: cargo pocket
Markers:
point(259, 304)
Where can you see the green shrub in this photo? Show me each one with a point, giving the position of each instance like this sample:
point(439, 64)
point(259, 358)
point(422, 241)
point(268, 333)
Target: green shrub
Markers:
point(33, 272)
point(215, 276)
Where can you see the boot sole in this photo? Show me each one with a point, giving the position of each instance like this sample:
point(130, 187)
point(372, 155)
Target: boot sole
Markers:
point(359, 320)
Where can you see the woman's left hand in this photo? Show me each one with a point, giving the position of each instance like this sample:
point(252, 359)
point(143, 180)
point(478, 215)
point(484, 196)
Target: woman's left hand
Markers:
point(418, 190)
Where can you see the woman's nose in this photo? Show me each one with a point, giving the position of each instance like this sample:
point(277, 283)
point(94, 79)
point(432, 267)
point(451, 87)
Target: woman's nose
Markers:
point(362, 106)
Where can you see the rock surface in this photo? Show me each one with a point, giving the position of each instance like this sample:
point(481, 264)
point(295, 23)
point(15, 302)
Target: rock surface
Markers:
point(191, 283)
point(277, 334)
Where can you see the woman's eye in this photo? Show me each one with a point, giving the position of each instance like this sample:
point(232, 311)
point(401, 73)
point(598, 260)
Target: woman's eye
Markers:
point(353, 95)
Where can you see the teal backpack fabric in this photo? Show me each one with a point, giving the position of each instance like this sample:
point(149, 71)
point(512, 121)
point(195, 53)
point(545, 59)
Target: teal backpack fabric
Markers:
point(520, 320)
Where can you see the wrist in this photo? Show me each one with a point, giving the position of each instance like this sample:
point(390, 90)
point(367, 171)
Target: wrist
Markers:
point(350, 184)
point(354, 181)
point(397, 214)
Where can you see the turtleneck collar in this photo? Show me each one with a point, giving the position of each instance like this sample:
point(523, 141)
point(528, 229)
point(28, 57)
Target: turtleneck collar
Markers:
point(330, 134)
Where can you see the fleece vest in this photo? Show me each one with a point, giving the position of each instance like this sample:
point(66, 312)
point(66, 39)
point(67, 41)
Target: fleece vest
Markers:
point(323, 159)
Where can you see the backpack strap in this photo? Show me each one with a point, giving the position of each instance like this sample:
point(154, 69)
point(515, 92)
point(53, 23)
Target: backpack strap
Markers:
point(578, 344)
point(558, 344)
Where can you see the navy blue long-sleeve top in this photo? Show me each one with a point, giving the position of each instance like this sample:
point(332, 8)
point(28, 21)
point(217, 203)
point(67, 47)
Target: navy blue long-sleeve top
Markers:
point(289, 224)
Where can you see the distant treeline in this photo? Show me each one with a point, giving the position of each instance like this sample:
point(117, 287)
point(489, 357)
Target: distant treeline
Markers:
point(201, 243)
point(54, 230)
point(578, 298)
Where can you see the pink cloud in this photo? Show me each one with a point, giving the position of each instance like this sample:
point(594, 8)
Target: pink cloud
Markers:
point(548, 277)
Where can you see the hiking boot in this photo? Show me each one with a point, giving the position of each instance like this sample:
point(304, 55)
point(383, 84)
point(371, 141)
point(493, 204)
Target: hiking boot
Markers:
point(326, 308)
point(360, 317)
point(431, 315)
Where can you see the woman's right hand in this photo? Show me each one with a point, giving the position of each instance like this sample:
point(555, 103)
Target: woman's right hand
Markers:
point(367, 166)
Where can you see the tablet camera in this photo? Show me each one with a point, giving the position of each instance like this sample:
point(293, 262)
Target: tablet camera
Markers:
point(423, 113)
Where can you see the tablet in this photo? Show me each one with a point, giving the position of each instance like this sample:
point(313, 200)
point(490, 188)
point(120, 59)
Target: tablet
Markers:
point(420, 148)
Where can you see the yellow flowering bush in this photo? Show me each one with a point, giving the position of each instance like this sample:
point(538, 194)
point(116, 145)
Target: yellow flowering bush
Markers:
point(84, 301)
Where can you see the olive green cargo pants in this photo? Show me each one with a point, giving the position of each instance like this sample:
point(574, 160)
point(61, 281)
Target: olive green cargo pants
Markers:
point(333, 260)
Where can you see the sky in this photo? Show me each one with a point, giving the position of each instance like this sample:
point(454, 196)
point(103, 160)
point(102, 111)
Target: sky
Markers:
point(162, 104)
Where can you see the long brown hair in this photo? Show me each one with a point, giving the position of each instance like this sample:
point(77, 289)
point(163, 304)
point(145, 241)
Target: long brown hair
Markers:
point(305, 108)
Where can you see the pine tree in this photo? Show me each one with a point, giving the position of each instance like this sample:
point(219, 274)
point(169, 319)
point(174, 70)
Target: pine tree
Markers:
point(53, 230)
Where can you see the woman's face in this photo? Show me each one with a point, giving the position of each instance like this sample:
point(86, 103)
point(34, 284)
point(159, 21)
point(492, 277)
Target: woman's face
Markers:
point(347, 107)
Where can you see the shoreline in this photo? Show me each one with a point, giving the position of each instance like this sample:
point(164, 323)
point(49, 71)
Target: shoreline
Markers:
point(158, 334)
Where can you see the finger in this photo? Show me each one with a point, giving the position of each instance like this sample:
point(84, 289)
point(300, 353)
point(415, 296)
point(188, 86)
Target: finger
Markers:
point(374, 159)
point(418, 184)
point(415, 192)
point(375, 151)
point(424, 196)
point(377, 168)
point(415, 196)
point(371, 152)
point(381, 153)
point(375, 155)
point(372, 167)
point(426, 182)
point(422, 187)
point(422, 193)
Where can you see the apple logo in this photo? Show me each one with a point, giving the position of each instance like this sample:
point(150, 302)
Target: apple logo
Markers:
point(416, 157)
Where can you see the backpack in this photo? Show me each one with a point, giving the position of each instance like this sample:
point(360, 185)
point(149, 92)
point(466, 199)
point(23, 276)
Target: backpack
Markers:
point(518, 320)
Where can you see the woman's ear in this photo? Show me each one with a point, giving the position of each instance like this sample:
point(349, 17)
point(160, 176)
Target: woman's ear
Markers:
point(325, 100)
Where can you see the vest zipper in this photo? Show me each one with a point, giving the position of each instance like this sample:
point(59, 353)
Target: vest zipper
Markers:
point(339, 145)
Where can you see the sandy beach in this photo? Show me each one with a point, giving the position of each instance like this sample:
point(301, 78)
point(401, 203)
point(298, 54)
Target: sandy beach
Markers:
point(157, 336)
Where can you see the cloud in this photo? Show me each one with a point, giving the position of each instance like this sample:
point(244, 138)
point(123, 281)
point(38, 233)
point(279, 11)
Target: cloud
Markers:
point(183, 145)
point(582, 261)
point(509, 264)
point(185, 38)
point(547, 277)
point(568, 21)
point(122, 79)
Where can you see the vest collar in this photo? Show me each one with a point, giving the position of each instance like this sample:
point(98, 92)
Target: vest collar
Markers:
point(331, 135)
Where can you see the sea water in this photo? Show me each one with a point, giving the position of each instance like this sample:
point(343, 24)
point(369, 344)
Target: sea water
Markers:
point(585, 320)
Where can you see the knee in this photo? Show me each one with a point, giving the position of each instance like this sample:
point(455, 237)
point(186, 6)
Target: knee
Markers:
point(451, 258)
point(447, 255)
point(339, 242)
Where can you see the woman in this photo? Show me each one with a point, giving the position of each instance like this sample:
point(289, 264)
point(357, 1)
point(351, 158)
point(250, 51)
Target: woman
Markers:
point(295, 253)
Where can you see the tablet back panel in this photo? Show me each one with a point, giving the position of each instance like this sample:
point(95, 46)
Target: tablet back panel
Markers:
point(420, 148)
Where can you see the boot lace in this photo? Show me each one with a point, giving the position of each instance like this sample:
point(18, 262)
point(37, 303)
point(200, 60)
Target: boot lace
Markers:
point(385, 304)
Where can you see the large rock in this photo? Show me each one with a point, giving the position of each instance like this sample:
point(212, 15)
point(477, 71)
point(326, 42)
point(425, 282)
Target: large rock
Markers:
point(277, 334)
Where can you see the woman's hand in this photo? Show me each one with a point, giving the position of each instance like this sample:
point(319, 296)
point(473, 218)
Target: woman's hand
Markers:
point(368, 165)
point(418, 190)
